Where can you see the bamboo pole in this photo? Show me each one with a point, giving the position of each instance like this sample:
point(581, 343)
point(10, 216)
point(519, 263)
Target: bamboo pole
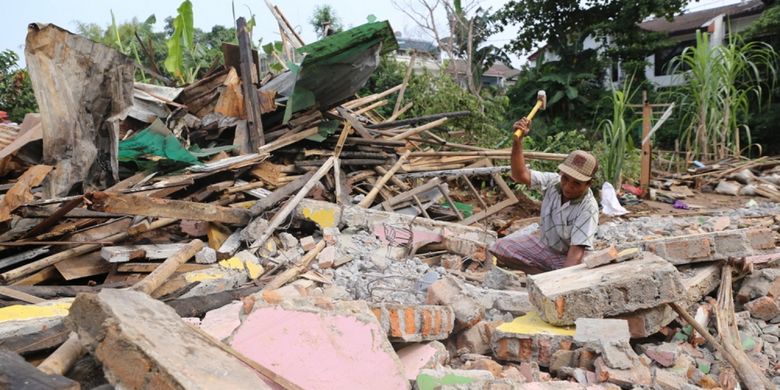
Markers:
point(155, 279)
point(417, 130)
point(64, 357)
point(366, 202)
point(290, 273)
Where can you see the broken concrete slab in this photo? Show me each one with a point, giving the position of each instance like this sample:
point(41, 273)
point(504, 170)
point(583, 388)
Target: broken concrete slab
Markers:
point(328, 215)
point(321, 344)
point(220, 323)
point(764, 308)
point(639, 374)
point(20, 320)
point(563, 295)
point(477, 338)
point(142, 343)
point(450, 291)
point(530, 339)
point(416, 357)
point(610, 338)
point(515, 302)
point(414, 323)
point(712, 246)
point(430, 379)
point(664, 354)
point(758, 284)
point(697, 281)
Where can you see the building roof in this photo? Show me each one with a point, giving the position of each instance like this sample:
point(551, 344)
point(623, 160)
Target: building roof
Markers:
point(691, 21)
point(416, 45)
point(498, 69)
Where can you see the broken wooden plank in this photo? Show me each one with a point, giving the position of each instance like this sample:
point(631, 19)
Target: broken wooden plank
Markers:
point(91, 78)
point(21, 192)
point(83, 266)
point(354, 123)
point(45, 262)
point(16, 373)
point(251, 100)
point(20, 295)
point(289, 140)
point(122, 254)
point(165, 208)
point(168, 267)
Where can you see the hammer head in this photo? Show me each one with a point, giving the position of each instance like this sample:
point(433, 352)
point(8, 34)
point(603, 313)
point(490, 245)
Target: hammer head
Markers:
point(541, 96)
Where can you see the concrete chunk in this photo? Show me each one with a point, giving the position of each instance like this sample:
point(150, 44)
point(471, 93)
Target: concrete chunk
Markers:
point(331, 346)
point(563, 295)
point(142, 343)
point(448, 291)
point(604, 256)
point(712, 246)
point(416, 357)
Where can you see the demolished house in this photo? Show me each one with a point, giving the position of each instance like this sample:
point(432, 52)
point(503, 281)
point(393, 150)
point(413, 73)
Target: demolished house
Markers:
point(250, 231)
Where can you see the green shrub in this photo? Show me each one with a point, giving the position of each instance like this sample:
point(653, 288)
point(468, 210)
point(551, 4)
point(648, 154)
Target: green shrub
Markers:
point(16, 93)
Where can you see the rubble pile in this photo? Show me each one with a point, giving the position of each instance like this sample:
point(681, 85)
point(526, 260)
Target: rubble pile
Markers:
point(251, 231)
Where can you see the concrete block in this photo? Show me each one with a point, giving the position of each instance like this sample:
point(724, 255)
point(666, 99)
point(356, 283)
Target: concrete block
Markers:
point(142, 343)
point(758, 284)
point(530, 339)
point(639, 374)
point(670, 380)
point(331, 346)
point(764, 308)
point(288, 240)
point(697, 282)
point(664, 354)
point(712, 246)
point(207, 255)
point(331, 235)
point(414, 323)
point(515, 302)
point(326, 257)
point(220, 323)
point(477, 338)
point(609, 337)
point(308, 243)
point(485, 364)
point(563, 295)
point(448, 291)
point(416, 357)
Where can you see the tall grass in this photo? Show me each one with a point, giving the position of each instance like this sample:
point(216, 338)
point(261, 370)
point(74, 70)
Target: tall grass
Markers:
point(721, 85)
point(616, 134)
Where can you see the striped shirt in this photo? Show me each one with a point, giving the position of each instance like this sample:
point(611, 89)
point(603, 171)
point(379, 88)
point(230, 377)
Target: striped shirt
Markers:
point(572, 223)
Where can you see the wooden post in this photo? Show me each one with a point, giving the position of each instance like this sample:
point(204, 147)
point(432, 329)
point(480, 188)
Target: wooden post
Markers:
point(64, 357)
point(155, 279)
point(403, 88)
point(647, 113)
point(251, 100)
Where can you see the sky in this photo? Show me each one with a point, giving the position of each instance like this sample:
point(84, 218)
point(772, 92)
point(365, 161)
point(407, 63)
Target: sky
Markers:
point(65, 13)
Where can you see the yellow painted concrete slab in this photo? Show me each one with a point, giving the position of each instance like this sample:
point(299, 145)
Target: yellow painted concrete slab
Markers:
point(255, 270)
point(324, 217)
point(232, 263)
point(531, 324)
point(26, 312)
point(192, 277)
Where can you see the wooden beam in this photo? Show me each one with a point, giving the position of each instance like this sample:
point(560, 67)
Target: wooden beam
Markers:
point(288, 140)
point(145, 268)
point(16, 373)
point(64, 357)
point(251, 100)
point(355, 123)
point(280, 194)
point(166, 208)
point(19, 295)
point(407, 76)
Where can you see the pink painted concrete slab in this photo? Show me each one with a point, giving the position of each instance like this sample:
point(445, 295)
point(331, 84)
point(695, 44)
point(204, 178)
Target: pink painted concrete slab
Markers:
point(416, 357)
point(220, 323)
point(320, 350)
point(402, 236)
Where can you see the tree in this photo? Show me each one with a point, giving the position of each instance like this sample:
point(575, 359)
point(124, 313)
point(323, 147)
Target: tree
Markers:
point(325, 21)
point(16, 93)
point(616, 21)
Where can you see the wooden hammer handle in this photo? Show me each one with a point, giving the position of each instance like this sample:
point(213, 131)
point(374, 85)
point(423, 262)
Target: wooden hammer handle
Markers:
point(530, 116)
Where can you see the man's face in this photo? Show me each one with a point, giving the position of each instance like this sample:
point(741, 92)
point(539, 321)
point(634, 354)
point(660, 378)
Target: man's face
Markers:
point(573, 188)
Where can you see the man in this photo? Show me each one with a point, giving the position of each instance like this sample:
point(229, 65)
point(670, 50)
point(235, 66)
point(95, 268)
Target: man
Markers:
point(570, 214)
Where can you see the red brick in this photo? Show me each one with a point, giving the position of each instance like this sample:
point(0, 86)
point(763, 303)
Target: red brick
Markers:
point(761, 238)
point(409, 320)
point(437, 322)
point(764, 308)
point(690, 248)
point(427, 322)
point(395, 323)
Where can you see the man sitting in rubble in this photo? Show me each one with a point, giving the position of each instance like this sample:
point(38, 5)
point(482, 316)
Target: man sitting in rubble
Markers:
point(570, 214)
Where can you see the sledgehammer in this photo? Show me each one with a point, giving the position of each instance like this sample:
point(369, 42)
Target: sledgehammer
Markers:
point(541, 103)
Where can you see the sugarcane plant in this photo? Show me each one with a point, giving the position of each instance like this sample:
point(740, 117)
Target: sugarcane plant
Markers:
point(722, 85)
point(616, 133)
